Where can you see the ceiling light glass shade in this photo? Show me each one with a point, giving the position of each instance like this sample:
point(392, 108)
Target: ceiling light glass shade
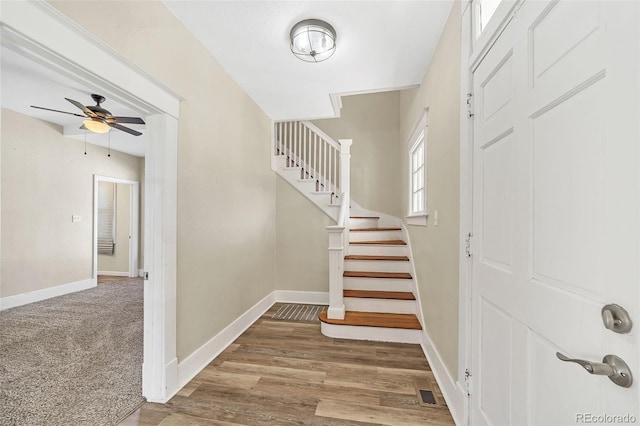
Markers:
point(96, 126)
point(313, 40)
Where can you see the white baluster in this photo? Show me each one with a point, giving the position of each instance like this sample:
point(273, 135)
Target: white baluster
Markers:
point(324, 170)
point(304, 153)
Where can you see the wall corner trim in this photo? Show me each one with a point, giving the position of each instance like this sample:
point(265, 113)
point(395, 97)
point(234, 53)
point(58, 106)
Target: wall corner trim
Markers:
point(46, 293)
point(452, 392)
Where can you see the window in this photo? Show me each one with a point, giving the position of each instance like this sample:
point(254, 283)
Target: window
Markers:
point(484, 10)
point(417, 211)
point(106, 217)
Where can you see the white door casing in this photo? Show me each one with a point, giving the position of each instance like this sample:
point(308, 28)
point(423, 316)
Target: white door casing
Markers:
point(556, 213)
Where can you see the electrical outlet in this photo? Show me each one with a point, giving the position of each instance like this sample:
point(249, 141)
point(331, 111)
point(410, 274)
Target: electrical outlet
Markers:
point(435, 218)
point(76, 218)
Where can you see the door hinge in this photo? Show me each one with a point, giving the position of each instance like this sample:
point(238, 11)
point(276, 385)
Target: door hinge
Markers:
point(470, 105)
point(468, 246)
point(467, 381)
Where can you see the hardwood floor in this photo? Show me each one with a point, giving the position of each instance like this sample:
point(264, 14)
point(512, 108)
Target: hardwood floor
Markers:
point(287, 373)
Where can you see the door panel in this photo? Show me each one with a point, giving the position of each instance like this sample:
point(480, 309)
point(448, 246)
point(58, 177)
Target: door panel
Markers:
point(556, 212)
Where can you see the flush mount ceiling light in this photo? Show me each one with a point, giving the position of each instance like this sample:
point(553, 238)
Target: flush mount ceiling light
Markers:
point(313, 40)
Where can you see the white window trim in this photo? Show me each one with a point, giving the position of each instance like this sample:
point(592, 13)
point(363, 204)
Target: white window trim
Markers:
point(417, 218)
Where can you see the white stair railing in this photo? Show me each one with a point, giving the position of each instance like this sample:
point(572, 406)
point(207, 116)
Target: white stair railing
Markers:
point(328, 164)
point(309, 148)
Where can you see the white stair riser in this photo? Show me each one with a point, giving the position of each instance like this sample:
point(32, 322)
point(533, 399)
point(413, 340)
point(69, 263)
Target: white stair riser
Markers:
point(385, 284)
point(377, 265)
point(389, 306)
point(378, 334)
point(378, 250)
point(374, 235)
point(363, 223)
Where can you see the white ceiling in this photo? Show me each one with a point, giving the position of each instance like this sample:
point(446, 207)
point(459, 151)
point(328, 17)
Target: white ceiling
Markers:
point(26, 82)
point(381, 45)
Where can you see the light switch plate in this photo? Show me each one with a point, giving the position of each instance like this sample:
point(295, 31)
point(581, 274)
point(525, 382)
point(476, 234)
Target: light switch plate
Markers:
point(435, 218)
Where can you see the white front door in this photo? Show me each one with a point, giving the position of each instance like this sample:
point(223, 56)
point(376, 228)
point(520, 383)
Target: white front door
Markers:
point(556, 214)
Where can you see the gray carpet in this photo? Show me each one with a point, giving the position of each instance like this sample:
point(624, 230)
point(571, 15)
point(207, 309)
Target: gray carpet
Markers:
point(74, 359)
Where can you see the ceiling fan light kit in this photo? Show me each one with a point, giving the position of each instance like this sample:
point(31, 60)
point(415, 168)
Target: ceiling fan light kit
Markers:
point(96, 126)
point(313, 40)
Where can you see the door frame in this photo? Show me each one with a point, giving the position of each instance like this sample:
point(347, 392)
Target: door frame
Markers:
point(39, 31)
point(134, 220)
point(473, 50)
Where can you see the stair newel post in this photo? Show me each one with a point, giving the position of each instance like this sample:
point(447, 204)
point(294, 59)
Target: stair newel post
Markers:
point(345, 185)
point(336, 270)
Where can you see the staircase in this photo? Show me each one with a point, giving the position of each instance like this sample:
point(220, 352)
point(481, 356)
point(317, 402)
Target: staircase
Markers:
point(372, 293)
point(378, 288)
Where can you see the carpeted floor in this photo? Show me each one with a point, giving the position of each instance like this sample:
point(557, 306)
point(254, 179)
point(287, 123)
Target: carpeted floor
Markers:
point(74, 359)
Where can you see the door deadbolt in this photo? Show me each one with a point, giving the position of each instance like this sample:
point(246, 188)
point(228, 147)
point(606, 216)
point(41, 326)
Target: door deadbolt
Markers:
point(616, 318)
point(611, 366)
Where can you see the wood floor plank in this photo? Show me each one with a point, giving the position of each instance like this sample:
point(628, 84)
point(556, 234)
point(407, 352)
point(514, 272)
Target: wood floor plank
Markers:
point(288, 373)
point(382, 415)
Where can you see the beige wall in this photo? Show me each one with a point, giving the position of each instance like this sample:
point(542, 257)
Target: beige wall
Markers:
point(119, 260)
point(226, 189)
point(373, 122)
point(46, 178)
point(301, 243)
point(435, 248)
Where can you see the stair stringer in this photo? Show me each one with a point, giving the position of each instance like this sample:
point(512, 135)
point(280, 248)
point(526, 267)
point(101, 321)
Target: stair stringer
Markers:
point(306, 187)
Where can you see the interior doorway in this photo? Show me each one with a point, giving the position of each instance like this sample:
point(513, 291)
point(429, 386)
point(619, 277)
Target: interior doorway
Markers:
point(116, 226)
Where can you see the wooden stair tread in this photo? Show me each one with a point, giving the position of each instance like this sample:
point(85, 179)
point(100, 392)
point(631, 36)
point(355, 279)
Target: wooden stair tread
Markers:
point(377, 294)
point(374, 229)
point(364, 217)
point(375, 319)
point(384, 242)
point(371, 257)
point(366, 274)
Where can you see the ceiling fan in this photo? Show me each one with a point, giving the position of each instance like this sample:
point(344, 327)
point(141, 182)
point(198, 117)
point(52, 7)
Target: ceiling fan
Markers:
point(99, 119)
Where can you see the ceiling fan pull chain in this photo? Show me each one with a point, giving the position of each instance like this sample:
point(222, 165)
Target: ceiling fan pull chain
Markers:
point(109, 155)
point(85, 142)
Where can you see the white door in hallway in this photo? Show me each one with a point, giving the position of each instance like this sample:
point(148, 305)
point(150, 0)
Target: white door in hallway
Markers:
point(556, 216)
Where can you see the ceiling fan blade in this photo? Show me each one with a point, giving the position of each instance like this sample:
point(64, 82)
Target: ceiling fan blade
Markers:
point(130, 120)
point(84, 109)
point(125, 129)
point(57, 110)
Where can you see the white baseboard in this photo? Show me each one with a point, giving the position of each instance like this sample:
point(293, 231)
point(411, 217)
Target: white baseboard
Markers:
point(45, 293)
point(201, 357)
point(452, 392)
point(141, 272)
point(310, 297)
point(114, 273)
